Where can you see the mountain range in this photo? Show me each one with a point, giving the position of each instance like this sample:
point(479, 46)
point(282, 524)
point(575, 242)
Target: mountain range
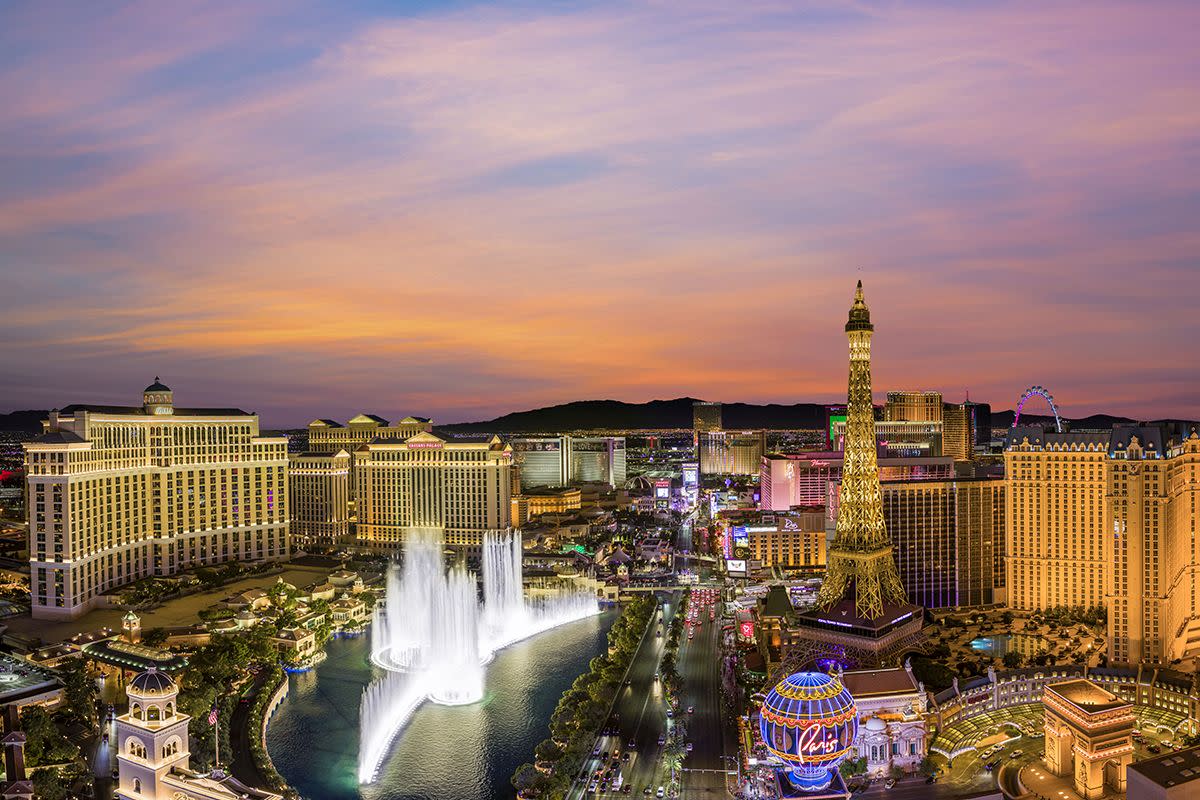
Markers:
point(655, 414)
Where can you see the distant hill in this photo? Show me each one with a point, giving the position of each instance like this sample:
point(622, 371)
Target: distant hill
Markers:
point(655, 414)
point(23, 421)
point(1004, 419)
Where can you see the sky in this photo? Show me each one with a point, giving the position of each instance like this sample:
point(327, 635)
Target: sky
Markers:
point(459, 210)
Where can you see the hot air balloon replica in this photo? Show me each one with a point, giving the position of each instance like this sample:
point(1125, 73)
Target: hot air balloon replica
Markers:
point(808, 722)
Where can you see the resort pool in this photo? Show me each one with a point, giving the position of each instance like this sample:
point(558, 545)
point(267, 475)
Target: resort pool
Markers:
point(997, 645)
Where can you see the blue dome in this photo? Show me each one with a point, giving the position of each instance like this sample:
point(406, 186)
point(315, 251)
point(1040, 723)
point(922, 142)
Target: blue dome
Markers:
point(809, 721)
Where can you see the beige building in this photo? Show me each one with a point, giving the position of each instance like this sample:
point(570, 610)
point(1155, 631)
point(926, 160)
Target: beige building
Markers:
point(795, 539)
point(120, 493)
point(327, 436)
point(731, 452)
point(913, 407)
point(1109, 519)
point(462, 484)
point(320, 497)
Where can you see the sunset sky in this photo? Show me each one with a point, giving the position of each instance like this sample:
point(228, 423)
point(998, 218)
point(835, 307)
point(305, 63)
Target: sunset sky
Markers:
point(460, 210)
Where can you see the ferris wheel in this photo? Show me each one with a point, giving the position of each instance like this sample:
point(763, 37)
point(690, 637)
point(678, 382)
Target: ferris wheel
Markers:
point(1043, 392)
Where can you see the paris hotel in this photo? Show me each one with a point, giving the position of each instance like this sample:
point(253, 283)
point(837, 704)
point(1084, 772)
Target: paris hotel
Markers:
point(121, 493)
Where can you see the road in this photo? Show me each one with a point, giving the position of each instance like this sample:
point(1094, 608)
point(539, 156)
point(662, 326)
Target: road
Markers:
point(642, 711)
point(699, 671)
point(244, 767)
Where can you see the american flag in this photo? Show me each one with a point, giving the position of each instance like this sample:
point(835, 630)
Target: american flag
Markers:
point(212, 716)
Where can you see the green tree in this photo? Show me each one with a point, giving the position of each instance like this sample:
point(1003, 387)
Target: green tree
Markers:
point(79, 690)
point(44, 743)
point(927, 767)
point(50, 784)
point(853, 766)
point(1012, 659)
point(155, 637)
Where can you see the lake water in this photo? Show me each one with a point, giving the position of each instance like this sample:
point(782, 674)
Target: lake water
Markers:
point(462, 752)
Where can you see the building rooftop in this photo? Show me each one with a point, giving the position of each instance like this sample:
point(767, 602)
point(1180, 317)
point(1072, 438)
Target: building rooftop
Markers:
point(141, 412)
point(1171, 769)
point(869, 682)
point(1088, 697)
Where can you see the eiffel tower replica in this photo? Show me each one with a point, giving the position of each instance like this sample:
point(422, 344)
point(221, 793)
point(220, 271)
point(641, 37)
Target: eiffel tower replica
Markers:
point(862, 617)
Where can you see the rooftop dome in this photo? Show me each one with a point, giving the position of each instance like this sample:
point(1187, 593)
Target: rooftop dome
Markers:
point(157, 386)
point(152, 682)
point(876, 724)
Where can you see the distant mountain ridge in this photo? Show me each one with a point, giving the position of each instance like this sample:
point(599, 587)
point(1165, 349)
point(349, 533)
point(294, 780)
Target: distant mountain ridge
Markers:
point(23, 421)
point(654, 414)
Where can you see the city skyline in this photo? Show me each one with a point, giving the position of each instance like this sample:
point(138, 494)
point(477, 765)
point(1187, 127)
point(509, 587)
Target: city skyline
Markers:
point(462, 210)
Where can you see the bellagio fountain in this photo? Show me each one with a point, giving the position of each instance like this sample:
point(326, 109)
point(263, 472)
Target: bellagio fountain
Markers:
point(433, 636)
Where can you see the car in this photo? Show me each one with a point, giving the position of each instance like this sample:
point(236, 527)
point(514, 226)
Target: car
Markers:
point(596, 752)
point(116, 776)
point(625, 756)
point(689, 747)
point(632, 744)
point(104, 737)
point(647, 791)
point(593, 787)
point(890, 783)
point(627, 788)
point(661, 792)
point(1015, 754)
point(670, 713)
point(691, 709)
point(662, 739)
point(1154, 748)
point(929, 779)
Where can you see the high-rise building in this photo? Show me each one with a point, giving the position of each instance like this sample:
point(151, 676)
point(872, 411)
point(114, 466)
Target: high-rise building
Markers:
point(1108, 519)
point(900, 438)
point(543, 460)
point(787, 480)
point(981, 422)
point(706, 416)
point(598, 459)
point(863, 616)
point(958, 431)
point(913, 407)
point(731, 452)
point(120, 493)
point(320, 495)
point(949, 540)
point(462, 484)
point(794, 540)
point(328, 436)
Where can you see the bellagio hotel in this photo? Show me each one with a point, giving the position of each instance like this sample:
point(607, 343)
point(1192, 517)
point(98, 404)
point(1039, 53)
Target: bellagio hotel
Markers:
point(1109, 519)
point(120, 493)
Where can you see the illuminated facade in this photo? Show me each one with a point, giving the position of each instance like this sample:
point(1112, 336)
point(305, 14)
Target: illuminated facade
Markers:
point(121, 493)
point(327, 436)
point(320, 495)
point(958, 432)
point(543, 460)
point(598, 459)
point(913, 407)
point(795, 539)
point(731, 452)
point(1089, 735)
point(900, 438)
point(787, 480)
point(461, 484)
point(1108, 519)
point(949, 540)
point(706, 416)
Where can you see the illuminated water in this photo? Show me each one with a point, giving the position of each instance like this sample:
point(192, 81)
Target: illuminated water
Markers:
point(432, 638)
point(461, 752)
point(998, 644)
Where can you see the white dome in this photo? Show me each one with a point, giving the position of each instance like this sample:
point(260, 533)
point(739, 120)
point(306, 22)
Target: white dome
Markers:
point(876, 724)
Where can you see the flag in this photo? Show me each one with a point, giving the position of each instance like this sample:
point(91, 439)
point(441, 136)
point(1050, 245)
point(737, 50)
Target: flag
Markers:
point(212, 716)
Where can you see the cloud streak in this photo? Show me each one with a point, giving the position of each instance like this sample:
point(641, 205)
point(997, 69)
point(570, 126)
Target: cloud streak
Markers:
point(469, 210)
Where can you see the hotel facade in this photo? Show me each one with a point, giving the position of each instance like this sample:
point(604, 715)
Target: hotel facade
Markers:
point(1109, 520)
point(462, 484)
point(121, 493)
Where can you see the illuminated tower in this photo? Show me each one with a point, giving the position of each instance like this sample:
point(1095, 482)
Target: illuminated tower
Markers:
point(861, 553)
point(862, 618)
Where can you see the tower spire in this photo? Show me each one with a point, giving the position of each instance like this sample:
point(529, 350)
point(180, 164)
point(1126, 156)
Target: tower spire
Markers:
point(860, 557)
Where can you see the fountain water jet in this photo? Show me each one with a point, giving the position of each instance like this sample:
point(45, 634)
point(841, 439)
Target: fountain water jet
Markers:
point(433, 637)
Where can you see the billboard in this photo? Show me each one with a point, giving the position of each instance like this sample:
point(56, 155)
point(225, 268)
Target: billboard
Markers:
point(736, 567)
